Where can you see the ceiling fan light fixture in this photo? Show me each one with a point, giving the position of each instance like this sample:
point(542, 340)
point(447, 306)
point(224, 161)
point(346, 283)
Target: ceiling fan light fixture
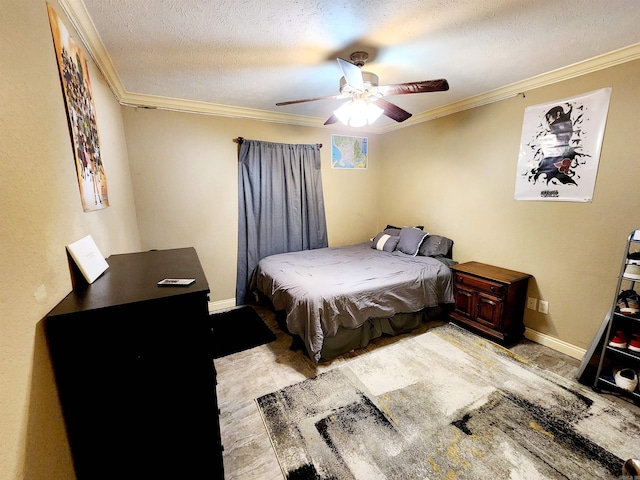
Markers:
point(373, 112)
point(343, 113)
point(366, 103)
point(358, 113)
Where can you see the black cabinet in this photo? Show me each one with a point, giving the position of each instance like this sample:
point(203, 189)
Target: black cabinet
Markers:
point(134, 371)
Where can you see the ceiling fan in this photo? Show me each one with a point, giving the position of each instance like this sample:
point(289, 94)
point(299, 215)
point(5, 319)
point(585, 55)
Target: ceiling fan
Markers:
point(366, 103)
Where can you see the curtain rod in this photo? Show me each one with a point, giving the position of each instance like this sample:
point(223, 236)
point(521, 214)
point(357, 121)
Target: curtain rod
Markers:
point(241, 139)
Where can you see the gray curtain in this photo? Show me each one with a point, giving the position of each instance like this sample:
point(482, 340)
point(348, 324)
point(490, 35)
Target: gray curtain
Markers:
point(280, 204)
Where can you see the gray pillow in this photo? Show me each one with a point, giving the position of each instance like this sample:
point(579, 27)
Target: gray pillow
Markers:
point(435, 245)
point(410, 240)
point(421, 227)
point(385, 242)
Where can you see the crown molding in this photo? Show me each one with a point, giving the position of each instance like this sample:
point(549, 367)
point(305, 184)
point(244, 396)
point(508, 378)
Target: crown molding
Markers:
point(623, 55)
point(193, 106)
point(84, 26)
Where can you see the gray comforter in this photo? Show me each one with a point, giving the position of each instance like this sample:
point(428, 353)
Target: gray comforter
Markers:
point(324, 289)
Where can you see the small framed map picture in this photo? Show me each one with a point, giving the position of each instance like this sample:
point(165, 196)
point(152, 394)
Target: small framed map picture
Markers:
point(349, 152)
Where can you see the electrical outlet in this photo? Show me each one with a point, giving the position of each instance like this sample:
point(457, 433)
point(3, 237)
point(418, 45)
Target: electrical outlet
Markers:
point(543, 307)
point(532, 303)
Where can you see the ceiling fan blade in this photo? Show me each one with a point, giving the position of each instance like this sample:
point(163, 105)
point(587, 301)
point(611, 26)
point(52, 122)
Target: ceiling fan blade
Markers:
point(392, 111)
point(439, 85)
point(279, 104)
point(352, 74)
point(331, 119)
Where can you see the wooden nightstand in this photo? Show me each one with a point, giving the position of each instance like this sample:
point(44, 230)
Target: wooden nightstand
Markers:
point(490, 300)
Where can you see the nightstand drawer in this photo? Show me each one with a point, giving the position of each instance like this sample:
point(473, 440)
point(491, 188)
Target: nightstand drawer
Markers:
point(480, 284)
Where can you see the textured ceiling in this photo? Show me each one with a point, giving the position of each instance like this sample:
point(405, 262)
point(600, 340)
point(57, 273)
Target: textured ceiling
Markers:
point(252, 54)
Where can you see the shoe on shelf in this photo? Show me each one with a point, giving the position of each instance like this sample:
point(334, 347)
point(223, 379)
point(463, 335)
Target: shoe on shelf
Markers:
point(631, 468)
point(632, 270)
point(619, 340)
point(626, 379)
point(634, 343)
point(634, 255)
point(628, 302)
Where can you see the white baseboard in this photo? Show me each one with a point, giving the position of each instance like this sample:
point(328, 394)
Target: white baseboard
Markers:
point(554, 343)
point(222, 305)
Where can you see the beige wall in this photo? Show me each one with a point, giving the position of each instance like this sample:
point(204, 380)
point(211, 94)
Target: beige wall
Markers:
point(173, 182)
point(457, 179)
point(456, 175)
point(185, 175)
point(40, 213)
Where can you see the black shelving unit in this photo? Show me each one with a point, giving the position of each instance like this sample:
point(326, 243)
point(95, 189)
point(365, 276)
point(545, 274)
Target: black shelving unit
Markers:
point(612, 357)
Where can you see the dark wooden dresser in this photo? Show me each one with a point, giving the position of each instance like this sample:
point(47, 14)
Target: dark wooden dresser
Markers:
point(134, 371)
point(490, 300)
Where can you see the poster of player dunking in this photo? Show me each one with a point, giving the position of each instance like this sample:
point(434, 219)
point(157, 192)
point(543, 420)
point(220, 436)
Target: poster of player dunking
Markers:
point(81, 113)
point(560, 148)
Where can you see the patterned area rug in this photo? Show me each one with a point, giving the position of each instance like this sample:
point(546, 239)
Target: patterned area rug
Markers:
point(446, 404)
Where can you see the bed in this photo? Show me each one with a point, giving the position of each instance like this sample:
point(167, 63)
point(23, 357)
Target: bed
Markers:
point(339, 298)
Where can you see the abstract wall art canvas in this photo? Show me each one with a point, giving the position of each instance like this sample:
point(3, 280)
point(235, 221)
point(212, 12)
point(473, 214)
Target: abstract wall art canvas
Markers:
point(81, 114)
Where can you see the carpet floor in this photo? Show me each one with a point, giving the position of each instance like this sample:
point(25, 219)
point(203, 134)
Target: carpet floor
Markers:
point(238, 330)
point(447, 405)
